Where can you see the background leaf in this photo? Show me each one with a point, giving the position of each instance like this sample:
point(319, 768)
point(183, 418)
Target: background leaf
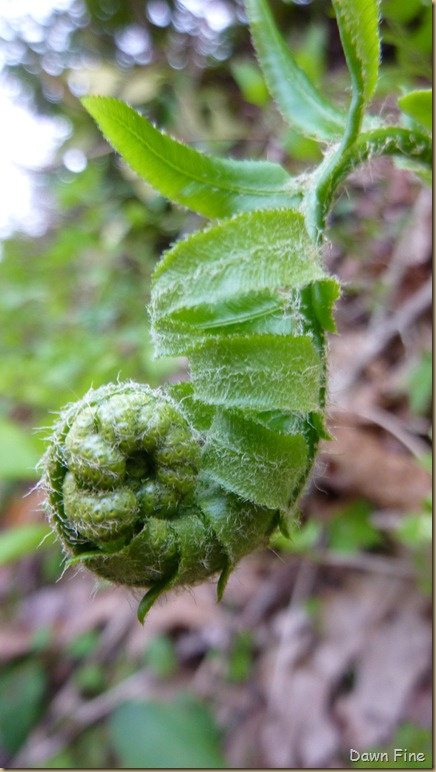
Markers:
point(175, 735)
point(402, 752)
point(17, 542)
point(21, 693)
point(419, 105)
point(19, 452)
point(351, 529)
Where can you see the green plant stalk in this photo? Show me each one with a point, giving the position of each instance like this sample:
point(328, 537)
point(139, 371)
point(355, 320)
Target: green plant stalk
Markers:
point(329, 169)
point(409, 144)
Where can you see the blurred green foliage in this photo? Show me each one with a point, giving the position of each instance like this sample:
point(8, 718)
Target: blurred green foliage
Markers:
point(172, 735)
point(415, 532)
point(351, 529)
point(73, 302)
point(19, 451)
point(89, 750)
point(407, 35)
point(22, 690)
point(241, 657)
point(419, 384)
point(21, 540)
point(160, 656)
point(348, 530)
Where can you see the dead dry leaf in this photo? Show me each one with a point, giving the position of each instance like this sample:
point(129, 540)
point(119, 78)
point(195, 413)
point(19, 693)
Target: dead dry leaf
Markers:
point(396, 655)
point(360, 464)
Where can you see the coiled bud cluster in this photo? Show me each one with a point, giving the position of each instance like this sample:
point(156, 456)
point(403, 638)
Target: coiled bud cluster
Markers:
point(125, 495)
point(129, 455)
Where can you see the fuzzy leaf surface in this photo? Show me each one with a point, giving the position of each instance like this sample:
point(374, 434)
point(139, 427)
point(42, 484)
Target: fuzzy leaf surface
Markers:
point(249, 254)
point(258, 372)
point(213, 187)
point(258, 464)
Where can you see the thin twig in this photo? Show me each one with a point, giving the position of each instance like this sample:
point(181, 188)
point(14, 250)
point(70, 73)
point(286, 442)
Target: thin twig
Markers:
point(377, 340)
point(389, 422)
point(363, 561)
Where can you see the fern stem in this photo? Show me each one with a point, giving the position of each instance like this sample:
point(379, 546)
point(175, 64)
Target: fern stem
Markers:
point(413, 145)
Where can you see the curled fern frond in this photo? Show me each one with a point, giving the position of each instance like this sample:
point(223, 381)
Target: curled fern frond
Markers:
point(126, 496)
point(160, 488)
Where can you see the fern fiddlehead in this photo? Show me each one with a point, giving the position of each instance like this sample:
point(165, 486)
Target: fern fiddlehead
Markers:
point(159, 488)
point(163, 488)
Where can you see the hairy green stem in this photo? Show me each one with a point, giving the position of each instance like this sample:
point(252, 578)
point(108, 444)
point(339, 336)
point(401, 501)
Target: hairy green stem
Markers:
point(389, 141)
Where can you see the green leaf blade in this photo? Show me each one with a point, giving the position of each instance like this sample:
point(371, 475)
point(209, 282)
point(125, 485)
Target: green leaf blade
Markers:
point(298, 99)
point(250, 253)
point(22, 696)
point(16, 543)
point(258, 464)
point(234, 371)
point(19, 451)
point(419, 106)
point(213, 187)
point(173, 735)
point(358, 22)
